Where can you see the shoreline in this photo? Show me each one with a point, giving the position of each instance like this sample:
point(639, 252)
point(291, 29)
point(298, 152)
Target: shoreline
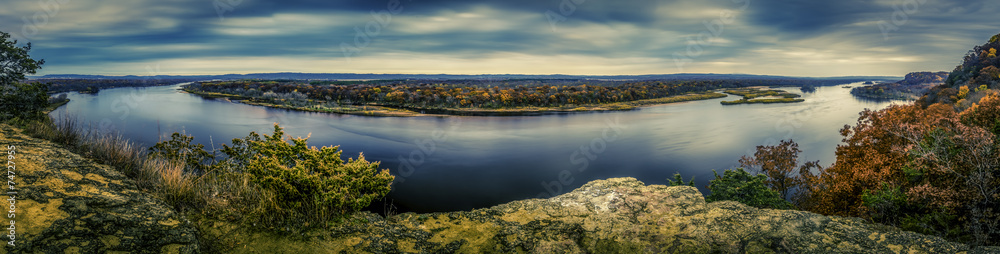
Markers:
point(403, 111)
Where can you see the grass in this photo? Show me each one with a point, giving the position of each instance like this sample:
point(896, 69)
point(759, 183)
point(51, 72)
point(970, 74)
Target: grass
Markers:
point(164, 178)
point(222, 193)
point(192, 195)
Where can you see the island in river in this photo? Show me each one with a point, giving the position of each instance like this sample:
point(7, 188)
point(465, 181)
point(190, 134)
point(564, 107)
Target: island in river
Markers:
point(473, 97)
point(757, 95)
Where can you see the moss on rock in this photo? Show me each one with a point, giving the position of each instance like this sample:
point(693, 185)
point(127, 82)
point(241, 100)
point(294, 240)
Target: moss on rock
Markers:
point(66, 203)
point(618, 215)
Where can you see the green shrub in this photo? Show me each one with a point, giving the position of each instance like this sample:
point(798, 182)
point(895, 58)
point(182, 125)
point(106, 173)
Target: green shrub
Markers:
point(306, 183)
point(23, 101)
point(937, 223)
point(885, 205)
point(738, 185)
point(179, 148)
point(679, 181)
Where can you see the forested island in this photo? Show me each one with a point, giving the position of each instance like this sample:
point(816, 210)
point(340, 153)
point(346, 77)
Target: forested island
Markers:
point(755, 95)
point(477, 97)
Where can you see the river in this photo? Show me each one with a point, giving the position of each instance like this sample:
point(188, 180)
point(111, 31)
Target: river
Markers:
point(448, 163)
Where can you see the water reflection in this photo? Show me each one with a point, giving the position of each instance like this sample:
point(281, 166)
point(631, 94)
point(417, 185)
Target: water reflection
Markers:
point(483, 161)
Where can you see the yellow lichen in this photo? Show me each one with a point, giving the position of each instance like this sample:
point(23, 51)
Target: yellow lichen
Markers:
point(97, 178)
point(110, 241)
point(478, 235)
point(523, 216)
point(170, 222)
point(39, 216)
point(172, 248)
point(895, 248)
point(407, 246)
point(72, 250)
point(72, 175)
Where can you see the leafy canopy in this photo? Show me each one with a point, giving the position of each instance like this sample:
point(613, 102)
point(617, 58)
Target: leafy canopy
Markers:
point(15, 62)
point(20, 100)
point(739, 185)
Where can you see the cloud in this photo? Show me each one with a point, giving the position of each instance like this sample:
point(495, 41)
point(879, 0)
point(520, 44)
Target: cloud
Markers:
point(796, 37)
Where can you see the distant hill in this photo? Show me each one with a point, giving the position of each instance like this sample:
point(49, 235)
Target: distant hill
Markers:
point(913, 86)
point(968, 82)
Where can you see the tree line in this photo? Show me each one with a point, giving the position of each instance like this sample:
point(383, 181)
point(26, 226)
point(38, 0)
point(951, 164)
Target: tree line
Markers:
point(462, 93)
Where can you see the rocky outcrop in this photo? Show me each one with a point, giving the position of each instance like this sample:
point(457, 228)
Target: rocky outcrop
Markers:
point(620, 215)
point(913, 86)
point(68, 204)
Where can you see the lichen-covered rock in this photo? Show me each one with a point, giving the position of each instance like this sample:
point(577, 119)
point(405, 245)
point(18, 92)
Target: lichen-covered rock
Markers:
point(68, 204)
point(619, 215)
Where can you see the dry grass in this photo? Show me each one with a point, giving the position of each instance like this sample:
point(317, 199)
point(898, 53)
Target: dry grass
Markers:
point(235, 197)
point(222, 192)
point(65, 133)
point(166, 179)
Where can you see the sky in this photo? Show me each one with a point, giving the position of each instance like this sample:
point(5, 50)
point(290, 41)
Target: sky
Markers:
point(579, 37)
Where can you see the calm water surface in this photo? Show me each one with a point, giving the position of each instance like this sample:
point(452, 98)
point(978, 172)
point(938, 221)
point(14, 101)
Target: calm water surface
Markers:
point(446, 163)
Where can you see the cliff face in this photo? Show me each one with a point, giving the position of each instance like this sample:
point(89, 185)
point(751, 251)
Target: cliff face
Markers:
point(619, 215)
point(68, 204)
point(913, 86)
point(926, 79)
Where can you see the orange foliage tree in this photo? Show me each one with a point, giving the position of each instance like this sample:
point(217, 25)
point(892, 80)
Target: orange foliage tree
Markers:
point(926, 170)
point(869, 156)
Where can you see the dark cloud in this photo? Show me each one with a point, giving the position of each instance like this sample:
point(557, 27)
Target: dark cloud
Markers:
point(769, 37)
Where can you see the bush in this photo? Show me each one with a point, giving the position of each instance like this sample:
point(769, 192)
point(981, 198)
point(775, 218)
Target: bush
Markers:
point(310, 183)
point(23, 101)
point(679, 181)
point(179, 148)
point(886, 205)
point(738, 185)
point(266, 180)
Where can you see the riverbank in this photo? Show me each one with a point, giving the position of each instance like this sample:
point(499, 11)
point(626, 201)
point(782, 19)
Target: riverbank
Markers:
point(55, 105)
point(402, 111)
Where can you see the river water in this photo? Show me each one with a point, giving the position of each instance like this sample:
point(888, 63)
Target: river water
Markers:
point(448, 163)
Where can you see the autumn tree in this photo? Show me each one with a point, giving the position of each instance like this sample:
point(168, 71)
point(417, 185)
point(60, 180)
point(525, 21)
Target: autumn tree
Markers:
point(870, 155)
point(918, 169)
point(779, 163)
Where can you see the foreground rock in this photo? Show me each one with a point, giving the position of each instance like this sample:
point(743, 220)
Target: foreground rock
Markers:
point(68, 204)
point(620, 215)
